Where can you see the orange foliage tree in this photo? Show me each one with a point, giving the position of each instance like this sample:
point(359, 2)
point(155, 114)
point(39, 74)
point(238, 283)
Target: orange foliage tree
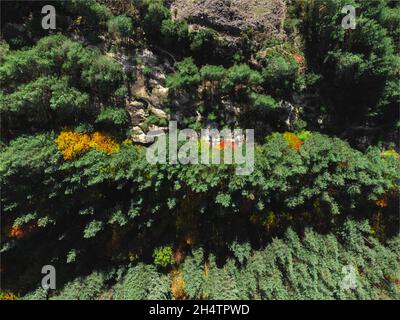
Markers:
point(72, 144)
point(293, 140)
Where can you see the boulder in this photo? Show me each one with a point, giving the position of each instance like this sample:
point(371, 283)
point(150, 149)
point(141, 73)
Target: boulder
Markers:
point(158, 112)
point(136, 104)
point(137, 130)
point(141, 138)
point(137, 116)
point(159, 95)
point(156, 130)
point(148, 58)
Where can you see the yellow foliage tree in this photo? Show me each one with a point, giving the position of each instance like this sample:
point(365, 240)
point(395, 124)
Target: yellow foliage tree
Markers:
point(72, 144)
point(178, 286)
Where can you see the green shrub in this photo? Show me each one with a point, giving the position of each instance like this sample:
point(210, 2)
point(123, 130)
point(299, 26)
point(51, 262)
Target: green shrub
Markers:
point(120, 25)
point(163, 256)
point(312, 266)
point(143, 282)
point(113, 117)
point(54, 84)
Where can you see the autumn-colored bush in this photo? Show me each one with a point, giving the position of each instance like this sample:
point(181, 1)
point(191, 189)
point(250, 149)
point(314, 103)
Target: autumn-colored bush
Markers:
point(104, 142)
point(226, 144)
point(16, 232)
point(72, 144)
point(21, 231)
point(299, 60)
point(293, 140)
point(382, 202)
point(8, 296)
point(178, 286)
point(390, 153)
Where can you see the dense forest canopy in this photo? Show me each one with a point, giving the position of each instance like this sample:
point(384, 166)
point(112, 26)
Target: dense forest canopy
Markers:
point(78, 193)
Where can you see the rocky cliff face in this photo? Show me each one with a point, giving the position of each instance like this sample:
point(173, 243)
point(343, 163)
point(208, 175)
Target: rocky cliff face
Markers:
point(229, 18)
point(264, 17)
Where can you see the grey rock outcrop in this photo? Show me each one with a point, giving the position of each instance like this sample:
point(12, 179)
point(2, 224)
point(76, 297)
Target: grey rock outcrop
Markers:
point(136, 113)
point(264, 17)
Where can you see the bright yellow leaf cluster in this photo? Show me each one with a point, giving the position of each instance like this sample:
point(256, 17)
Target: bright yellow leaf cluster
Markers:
point(8, 296)
point(104, 142)
point(390, 153)
point(72, 144)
